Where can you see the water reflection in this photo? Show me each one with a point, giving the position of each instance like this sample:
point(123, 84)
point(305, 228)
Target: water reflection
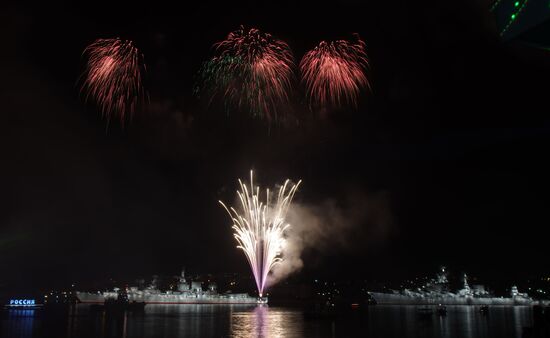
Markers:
point(266, 322)
point(460, 322)
point(20, 321)
point(263, 321)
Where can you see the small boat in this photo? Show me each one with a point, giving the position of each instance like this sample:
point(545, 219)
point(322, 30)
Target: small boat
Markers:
point(441, 310)
point(484, 309)
point(425, 312)
point(122, 305)
point(97, 307)
point(135, 306)
point(321, 310)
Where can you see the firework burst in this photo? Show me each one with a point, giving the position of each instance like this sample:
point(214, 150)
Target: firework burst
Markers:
point(260, 229)
point(113, 77)
point(334, 73)
point(251, 71)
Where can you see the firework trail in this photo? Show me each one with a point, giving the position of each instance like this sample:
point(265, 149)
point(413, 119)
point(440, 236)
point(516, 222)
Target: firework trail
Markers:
point(260, 229)
point(112, 77)
point(334, 73)
point(251, 71)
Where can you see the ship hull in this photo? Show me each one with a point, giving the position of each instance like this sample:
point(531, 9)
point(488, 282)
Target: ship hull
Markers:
point(398, 299)
point(167, 299)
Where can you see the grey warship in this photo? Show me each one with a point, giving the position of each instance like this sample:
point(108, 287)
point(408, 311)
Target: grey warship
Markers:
point(187, 293)
point(437, 292)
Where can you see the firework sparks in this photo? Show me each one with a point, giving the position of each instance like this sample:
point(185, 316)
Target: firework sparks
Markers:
point(252, 70)
point(334, 73)
point(112, 77)
point(260, 229)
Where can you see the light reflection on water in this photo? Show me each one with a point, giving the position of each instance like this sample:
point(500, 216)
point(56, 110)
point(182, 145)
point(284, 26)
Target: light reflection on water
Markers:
point(20, 321)
point(266, 322)
point(460, 322)
point(240, 321)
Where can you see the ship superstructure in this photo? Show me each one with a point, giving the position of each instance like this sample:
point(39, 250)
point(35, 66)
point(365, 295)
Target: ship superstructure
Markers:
point(437, 291)
point(187, 293)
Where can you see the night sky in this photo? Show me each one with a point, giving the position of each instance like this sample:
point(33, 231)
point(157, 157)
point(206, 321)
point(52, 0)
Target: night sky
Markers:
point(448, 154)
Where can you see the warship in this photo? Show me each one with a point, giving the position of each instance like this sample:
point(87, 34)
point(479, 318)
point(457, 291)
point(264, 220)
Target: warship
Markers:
point(437, 292)
point(187, 293)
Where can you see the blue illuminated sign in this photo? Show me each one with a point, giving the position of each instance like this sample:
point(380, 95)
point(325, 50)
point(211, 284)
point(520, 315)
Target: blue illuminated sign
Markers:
point(22, 302)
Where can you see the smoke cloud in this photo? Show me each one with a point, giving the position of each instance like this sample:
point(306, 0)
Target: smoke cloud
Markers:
point(334, 225)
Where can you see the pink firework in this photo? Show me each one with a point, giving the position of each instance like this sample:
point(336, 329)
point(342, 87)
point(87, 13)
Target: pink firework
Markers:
point(334, 73)
point(113, 78)
point(253, 71)
point(260, 227)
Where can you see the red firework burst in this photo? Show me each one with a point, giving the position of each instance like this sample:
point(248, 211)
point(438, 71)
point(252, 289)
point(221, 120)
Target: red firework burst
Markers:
point(334, 73)
point(112, 77)
point(253, 70)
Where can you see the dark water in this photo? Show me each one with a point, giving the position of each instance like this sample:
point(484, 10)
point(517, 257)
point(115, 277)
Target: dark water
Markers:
point(251, 321)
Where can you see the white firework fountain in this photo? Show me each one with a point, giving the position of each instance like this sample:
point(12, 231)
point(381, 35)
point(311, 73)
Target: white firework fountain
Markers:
point(260, 228)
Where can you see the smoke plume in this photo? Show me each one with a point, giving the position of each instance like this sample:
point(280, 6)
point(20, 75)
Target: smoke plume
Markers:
point(346, 224)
